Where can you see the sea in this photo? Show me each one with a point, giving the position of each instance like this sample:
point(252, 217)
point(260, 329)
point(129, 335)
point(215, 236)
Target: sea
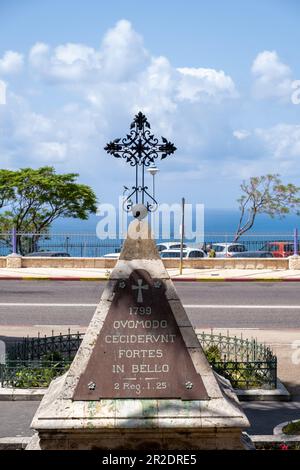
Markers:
point(221, 221)
point(79, 238)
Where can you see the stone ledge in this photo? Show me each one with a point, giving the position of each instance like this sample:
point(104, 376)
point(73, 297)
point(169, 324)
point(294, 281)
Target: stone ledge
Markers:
point(278, 394)
point(14, 443)
point(269, 438)
point(24, 394)
point(17, 261)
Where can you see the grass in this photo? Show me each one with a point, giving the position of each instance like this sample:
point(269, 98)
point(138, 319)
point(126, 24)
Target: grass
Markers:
point(292, 428)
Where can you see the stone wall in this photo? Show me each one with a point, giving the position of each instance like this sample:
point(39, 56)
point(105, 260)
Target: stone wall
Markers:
point(204, 263)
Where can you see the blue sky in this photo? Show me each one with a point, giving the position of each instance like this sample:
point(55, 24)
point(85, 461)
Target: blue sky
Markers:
point(214, 77)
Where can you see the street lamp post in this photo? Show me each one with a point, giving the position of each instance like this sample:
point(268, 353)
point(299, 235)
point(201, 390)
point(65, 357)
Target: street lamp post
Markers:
point(153, 170)
point(122, 216)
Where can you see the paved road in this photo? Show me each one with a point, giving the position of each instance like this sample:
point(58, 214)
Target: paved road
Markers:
point(219, 305)
point(16, 417)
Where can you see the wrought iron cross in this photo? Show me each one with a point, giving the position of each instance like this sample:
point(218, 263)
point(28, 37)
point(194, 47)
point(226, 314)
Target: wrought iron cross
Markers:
point(140, 148)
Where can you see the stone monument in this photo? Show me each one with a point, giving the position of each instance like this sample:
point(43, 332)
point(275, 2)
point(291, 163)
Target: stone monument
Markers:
point(140, 379)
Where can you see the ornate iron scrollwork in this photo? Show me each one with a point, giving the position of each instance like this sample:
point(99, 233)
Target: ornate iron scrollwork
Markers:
point(140, 148)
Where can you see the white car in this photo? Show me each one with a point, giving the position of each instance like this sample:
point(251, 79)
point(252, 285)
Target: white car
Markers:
point(187, 253)
point(169, 246)
point(112, 255)
point(224, 250)
point(160, 246)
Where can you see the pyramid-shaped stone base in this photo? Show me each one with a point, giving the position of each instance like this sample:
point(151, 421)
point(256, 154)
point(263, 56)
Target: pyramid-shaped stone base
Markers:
point(140, 379)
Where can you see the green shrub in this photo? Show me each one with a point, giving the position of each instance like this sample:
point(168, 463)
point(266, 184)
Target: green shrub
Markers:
point(31, 377)
point(292, 428)
point(213, 354)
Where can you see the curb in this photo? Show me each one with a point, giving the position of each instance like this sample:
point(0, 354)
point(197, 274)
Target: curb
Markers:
point(18, 394)
point(233, 279)
point(278, 394)
point(14, 443)
point(278, 430)
point(174, 279)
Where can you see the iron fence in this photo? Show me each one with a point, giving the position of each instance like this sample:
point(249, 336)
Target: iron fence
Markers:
point(89, 245)
point(232, 348)
point(35, 362)
point(246, 363)
point(73, 244)
point(32, 349)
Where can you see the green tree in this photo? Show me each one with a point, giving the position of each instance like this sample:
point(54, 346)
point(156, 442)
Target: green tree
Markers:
point(6, 190)
point(265, 195)
point(35, 198)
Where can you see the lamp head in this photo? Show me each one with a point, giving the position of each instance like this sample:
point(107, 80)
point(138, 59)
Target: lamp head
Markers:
point(139, 211)
point(152, 170)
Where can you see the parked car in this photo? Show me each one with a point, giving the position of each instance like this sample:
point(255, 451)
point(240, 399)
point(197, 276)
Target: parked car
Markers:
point(112, 255)
point(115, 254)
point(169, 246)
point(187, 253)
point(224, 250)
point(58, 254)
point(160, 246)
point(279, 249)
point(253, 254)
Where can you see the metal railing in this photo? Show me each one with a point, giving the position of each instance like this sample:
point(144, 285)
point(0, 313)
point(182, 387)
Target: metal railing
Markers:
point(32, 349)
point(34, 362)
point(89, 245)
point(246, 363)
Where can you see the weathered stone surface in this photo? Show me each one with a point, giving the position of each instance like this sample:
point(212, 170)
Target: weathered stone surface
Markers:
point(143, 439)
point(14, 261)
point(110, 263)
point(294, 262)
point(140, 423)
point(139, 244)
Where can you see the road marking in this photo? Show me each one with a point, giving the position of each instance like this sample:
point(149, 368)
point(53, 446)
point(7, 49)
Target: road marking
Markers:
point(35, 304)
point(258, 307)
point(211, 306)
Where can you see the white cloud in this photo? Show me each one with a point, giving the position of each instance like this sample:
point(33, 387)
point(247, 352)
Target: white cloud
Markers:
point(272, 77)
point(52, 152)
point(98, 90)
point(241, 134)
point(38, 54)
point(123, 52)
point(157, 87)
point(11, 63)
point(120, 57)
point(282, 141)
point(67, 62)
point(70, 53)
point(196, 83)
point(2, 92)
point(274, 149)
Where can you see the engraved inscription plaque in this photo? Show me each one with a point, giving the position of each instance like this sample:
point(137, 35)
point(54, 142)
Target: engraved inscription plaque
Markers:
point(140, 352)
